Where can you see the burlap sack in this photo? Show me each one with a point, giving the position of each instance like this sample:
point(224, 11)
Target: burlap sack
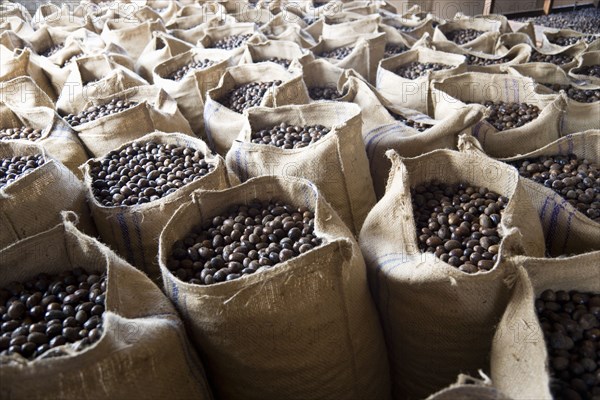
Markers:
point(63, 63)
point(452, 93)
point(260, 52)
point(24, 92)
point(161, 48)
point(10, 9)
point(367, 51)
point(409, 30)
point(133, 37)
point(570, 51)
point(62, 17)
point(47, 36)
point(567, 230)
point(335, 28)
point(222, 125)
point(155, 111)
point(143, 350)
point(321, 73)
point(439, 321)
point(586, 59)
point(519, 359)
point(58, 139)
point(167, 10)
point(191, 16)
point(578, 117)
point(485, 43)
point(190, 92)
point(343, 173)
point(12, 41)
point(258, 16)
point(18, 63)
point(518, 54)
point(408, 142)
point(415, 93)
point(33, 203)
point(132, 231)
point(94, 76)
point(262, 334)
point(548, 36)
point(213, 34)
point(289, 29)
point(507, 41)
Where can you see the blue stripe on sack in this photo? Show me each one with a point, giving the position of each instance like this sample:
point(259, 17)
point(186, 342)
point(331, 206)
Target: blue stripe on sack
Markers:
point(543, 210)
point(375, 133)
point(516, 91)
point(174, 292)
point(567, 233)
point(138, 232)
point(570, 143)
point(553, 218)
point(245, 162)
point(372, 147)
point(238, 162)
point(476, 130)
point(126, 239)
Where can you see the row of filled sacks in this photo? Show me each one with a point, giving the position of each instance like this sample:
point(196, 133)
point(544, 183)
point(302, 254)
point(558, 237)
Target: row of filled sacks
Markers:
point(429, 310)
point(351, 154)
point(258, 337)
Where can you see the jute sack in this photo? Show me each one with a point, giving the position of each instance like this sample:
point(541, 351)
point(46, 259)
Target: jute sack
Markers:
point(367, 51)
point(579, 116)
point(58, 139)
point(190, 16)
point(415, 93)
point(485, 43)
point(16, 25)
point(155, 111)
point(63, 17)
point(12, 41)
point(567, 230)
point(343, 173)
point(161, 48)
point(333, 29)
point(133, 37)
point(409, 142)
point(257, 15)
point(280, 29)
point(502, 19)
point(24, 92)
point(47, 36)
point(94, 76)
point(222, 125)
point(519, 359)
point(19, 63)
point(9, 9)
point(143, 350)
point(190, 92)
point(507, 41)
point(452, 93)
point(261, 334)
point(165, 9)
point(518, 54)
point(321, 73)
point(549, 36)
point(571, 51)
point(63, 62)
point(291, 51)
point(586, 59)
point(132, 231)
point(410, 30)
point(33, 202)
point(439, 321)
point(214, 34)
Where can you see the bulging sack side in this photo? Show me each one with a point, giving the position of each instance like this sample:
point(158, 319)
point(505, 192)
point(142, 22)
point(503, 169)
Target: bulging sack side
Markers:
point(33, 202)
point(436, 317)
point(143, 350)
point(133, 230)
point(342, 175)
point(260, 333)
